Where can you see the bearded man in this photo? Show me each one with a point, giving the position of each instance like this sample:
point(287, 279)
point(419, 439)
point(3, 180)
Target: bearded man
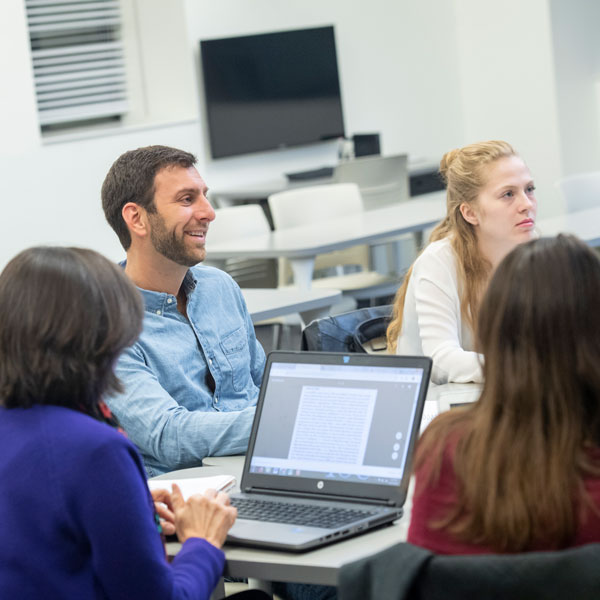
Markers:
point(191, 381)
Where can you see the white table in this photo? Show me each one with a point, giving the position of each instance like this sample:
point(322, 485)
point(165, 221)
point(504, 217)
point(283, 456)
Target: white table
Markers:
point(319, 566)
point(261, 190)
point(449, 395)
point(302, 244)
point(585, 224)
point(268, 303)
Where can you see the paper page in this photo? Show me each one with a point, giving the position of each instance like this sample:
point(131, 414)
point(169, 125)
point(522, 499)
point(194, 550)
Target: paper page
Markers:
point(194, 485)
point(430, 411)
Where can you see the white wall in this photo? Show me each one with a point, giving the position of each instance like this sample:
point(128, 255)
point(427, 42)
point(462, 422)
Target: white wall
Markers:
point(577, 66)
point(160, 66)
point(428, 75)
point(508, 85)
point(18, 112)
point(51, 195)
point(398, 72)
point(399, 76)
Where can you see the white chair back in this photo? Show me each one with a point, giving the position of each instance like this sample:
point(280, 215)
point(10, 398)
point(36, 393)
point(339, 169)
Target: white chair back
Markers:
point(306, 205)
point(382, 180)
point(237, 221)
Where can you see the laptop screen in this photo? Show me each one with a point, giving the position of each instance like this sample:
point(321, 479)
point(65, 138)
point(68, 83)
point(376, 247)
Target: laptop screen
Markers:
point(338, 421)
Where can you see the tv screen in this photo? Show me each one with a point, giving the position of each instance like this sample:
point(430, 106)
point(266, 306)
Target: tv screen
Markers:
point(271, 91)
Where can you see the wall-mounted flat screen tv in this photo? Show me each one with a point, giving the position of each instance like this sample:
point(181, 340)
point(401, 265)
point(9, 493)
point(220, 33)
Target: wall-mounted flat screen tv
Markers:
point(272, 90)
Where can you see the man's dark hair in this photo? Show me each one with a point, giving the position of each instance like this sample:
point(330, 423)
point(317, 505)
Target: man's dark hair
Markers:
point(131, 179)
point(67, 313)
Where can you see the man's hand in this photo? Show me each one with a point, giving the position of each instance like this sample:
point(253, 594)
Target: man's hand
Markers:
point(209, 516)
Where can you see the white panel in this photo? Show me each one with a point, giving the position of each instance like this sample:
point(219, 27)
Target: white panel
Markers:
point(53, 7)
point(89, 48)
point(82, 76)
point(82, 112)
point(70, 25)
point(81, 91)
point(80, 66)
point(57, 86)
point(52, 3)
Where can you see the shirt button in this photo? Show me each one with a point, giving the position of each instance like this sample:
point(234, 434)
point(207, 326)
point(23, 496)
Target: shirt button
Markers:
point(210, 361)
point(216, 399)
point(158, 312)
point(169, 300)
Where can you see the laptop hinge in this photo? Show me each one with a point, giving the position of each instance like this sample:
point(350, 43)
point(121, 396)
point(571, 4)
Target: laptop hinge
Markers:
point(309, 496)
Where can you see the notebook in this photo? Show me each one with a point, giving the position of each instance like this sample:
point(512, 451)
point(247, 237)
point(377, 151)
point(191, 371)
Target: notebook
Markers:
point(194, 485)
point(330, 449)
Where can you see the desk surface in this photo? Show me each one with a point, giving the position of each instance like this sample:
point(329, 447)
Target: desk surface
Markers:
point(371, 226)
point(319, 566)
point(263, 189)
point(451, 394)
point(585, 224)
point(270, 303)
point(364, 228)
point(302, 244)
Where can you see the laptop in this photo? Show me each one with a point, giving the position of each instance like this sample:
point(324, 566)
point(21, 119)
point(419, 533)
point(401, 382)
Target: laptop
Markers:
point(330, 449)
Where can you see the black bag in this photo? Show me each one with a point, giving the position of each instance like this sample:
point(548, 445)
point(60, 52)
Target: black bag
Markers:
point(347, 332)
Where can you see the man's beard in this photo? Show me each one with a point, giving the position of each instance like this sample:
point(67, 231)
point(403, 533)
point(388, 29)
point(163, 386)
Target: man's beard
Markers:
point(170, 245)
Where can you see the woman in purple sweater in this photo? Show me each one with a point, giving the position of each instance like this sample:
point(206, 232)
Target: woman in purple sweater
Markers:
point(78, 519)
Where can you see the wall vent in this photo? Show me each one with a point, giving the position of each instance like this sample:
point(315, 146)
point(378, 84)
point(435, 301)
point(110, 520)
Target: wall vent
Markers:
point(78, 61)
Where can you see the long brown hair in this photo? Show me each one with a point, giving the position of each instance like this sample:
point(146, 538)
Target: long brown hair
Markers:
point(464, 171)
point(523, 448)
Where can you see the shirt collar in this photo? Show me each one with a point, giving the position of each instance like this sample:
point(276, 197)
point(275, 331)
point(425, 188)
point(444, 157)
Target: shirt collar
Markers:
point(156, 302)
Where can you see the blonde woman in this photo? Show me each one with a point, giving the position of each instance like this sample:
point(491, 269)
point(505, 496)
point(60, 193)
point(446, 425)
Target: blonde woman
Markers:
point(491, 208)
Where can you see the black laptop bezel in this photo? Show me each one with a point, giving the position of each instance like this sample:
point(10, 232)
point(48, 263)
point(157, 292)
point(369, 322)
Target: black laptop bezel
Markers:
point(341, 490)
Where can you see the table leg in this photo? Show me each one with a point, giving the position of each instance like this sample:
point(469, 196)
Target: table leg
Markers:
point(260, 584)
point(303, 271)
point(219, 591)
point(419, 238)
point(219, 263)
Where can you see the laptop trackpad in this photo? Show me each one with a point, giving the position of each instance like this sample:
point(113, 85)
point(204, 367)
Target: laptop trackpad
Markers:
point(256, 532)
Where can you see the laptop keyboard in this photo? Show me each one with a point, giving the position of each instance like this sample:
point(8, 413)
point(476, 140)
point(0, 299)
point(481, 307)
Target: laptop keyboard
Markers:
point(307, 515)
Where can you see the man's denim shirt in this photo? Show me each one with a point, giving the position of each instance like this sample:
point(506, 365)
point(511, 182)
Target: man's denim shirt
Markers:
point(168, 408)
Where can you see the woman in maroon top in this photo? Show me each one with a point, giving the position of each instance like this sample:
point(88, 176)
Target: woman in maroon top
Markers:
point(519, 470)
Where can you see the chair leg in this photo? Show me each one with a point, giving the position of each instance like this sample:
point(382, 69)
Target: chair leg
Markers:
point(276, 341)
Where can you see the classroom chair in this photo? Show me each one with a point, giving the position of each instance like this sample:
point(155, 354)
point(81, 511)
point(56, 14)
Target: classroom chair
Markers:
point(235, 222)
point(306, 205)
point(382, 180)
point(407, 572)
point(248, 220)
